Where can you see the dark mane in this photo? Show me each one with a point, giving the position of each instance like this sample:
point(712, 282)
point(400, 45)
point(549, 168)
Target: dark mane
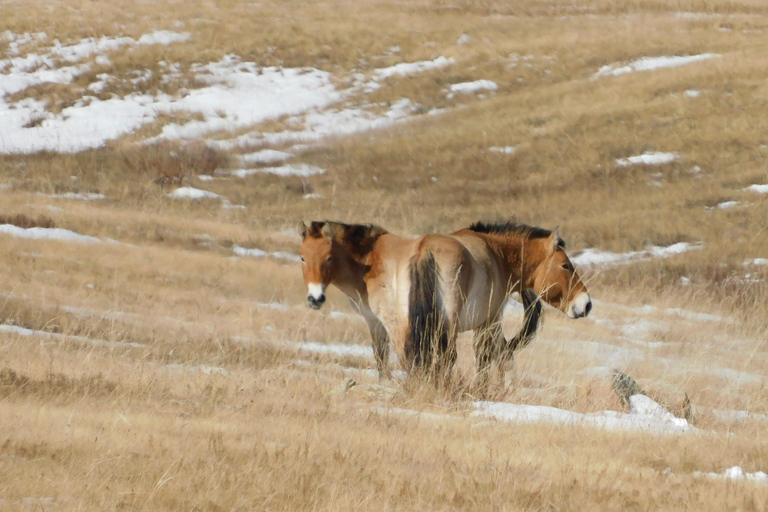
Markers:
point(359, 238)
point(511, 228)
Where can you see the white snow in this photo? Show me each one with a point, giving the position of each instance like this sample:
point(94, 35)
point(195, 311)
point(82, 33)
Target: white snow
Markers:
point(760, 189)
point(650, 64)
point(204, 369)
point(648, 158)
point(725, 205)
point(409, 68)
point(756, 261)
point(338, 349)
point(242, 94)
point(644, 415)
point(693, 93)
point(258, 253)
point(477, 85)
point(733, 415)
point(193, 193)
point(21, 331)
point(164, 37)
point(265, 156)
point(46, 234)
point(77, 196)
point(302, 170)
point(506, 150)
point(735, 473)
point(593, 256)
point(89, 122)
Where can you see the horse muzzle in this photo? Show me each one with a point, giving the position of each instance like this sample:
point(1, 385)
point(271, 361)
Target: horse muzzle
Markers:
point(315, 303)
point(316, 295)
point(580, 306)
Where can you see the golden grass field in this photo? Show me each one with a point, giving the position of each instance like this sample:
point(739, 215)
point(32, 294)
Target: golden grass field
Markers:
point(172, 377)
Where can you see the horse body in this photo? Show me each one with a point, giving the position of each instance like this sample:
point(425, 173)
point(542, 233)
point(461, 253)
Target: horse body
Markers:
point(421, 293)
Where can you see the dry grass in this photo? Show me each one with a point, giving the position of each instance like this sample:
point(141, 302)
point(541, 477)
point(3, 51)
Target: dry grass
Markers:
point(166, 374)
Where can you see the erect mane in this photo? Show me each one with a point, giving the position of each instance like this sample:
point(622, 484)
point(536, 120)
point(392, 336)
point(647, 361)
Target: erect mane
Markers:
point(511, 228)
point(359, 239)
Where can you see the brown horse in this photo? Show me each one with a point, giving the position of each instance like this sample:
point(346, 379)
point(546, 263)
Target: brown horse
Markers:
point(421, 293)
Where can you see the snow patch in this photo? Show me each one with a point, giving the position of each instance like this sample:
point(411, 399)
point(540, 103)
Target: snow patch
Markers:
point(650, 64)
point(258, 253)
point(46, 234)
point(477, 85)
point(644, 415)
point(735, 473)
point(593, 256)
point(77, 196)
point(410, 68)
point(265, 156)
point(505, 150)
point(193, 193)
point(302, 170)
point(648, 158)
point(760, 189)
point(21, 331)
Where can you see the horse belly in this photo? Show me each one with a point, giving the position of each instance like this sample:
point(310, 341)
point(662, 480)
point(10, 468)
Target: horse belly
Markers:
point(481, 305)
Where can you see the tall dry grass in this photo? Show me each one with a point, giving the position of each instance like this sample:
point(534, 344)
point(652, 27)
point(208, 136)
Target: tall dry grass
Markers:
point(169, 378)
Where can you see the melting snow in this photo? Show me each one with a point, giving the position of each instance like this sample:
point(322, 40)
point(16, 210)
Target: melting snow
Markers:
point(21, 331)
point(507, 150)
point(736, 473)
point(651, 63)
point(409, 68)
point(46, 234)
point(592, 256)
point(303, 170)
point(193, 193)
point(28, 127)
point(644, 415)
point(648, 158)
point(258, 253)
point(760, 189)
point(80, 196)
point(338, 349)
point(204, 369)
point(164, 37)
point(725, 205)
point(265, 156)
point(756, 261)
point(477, 85)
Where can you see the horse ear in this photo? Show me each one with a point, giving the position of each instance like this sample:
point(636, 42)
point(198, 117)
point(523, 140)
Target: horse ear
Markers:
point(330, 230)
point(303, 230)
point(555, 239)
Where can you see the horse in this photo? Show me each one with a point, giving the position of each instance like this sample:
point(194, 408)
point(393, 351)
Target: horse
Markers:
point(421, 293)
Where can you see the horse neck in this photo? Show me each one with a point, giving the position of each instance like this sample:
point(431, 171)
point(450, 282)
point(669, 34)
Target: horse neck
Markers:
point(349, 277)
point(519, 261)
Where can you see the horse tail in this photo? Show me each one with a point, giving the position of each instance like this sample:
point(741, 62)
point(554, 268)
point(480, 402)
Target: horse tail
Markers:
point(531, 321)
point(428, 327)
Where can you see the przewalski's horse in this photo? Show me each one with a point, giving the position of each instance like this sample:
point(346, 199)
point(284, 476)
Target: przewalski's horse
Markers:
point(422, 292)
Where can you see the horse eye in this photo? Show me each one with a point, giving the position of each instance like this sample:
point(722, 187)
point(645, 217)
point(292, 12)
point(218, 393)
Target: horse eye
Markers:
point(328, 260)
point(302, 259)
point(566, 266)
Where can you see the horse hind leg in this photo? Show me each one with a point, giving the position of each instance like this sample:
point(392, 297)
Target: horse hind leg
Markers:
point(486, 344)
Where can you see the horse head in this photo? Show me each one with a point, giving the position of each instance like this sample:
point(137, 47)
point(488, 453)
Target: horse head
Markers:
point(555, 279)
point(316, 252)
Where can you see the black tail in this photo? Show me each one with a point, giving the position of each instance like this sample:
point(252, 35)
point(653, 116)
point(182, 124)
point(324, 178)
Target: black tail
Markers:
point(531, 320)
point(428, 329)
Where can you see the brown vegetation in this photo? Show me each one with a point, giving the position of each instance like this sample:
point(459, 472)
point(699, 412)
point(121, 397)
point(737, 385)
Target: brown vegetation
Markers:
point(165, 375)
